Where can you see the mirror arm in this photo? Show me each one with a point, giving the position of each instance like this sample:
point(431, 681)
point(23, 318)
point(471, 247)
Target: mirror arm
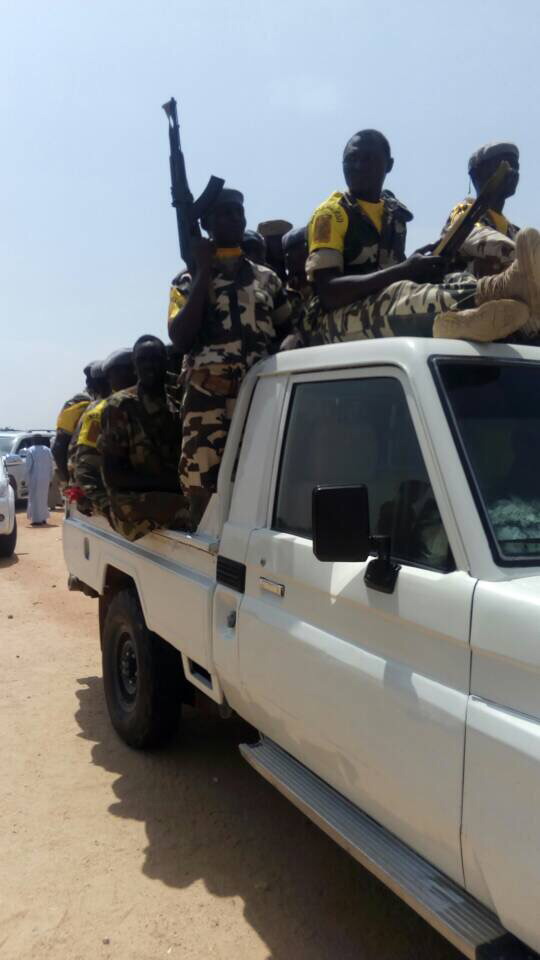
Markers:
point(382, 572)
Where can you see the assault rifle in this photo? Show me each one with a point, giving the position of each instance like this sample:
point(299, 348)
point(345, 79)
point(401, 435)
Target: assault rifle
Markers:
point(449, 245)
point(188, 210)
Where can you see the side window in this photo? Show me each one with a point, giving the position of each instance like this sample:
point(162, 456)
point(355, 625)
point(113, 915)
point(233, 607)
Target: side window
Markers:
point(360, 431)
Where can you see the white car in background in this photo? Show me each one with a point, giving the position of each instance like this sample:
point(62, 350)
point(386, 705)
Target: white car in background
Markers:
point(8, 522)
point(13, 446)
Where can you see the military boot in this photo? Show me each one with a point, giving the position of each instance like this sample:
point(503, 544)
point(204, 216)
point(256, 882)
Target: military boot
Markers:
point(520, 281)
point(490, 321)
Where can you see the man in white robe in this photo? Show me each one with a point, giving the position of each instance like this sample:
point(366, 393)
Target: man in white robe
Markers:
point(39, 469)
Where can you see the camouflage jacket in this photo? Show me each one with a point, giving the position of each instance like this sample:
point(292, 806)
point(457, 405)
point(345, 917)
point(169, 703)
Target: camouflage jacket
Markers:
point(142, 431)
point(246, 308)
point(343, 236)
point(490, 246)
point(488, 220)
point(300, 322)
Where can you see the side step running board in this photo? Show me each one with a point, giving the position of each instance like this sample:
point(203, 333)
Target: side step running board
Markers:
point(457, 916)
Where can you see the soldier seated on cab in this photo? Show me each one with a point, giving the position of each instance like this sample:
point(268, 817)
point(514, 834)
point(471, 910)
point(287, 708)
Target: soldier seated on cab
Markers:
point(490, 246)
point(232, 313)
point(365, 287)
point(140, 447)
point(87, 461)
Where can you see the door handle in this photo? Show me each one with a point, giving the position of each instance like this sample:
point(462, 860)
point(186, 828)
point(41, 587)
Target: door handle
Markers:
point(278, 589)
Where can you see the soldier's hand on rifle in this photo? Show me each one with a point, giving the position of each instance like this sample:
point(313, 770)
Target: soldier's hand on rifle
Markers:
point(423, 269)
point(203, 252)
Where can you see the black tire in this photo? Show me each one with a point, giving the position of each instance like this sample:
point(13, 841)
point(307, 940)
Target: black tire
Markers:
point(13, 485)
point(142, 675)
point(8, 542)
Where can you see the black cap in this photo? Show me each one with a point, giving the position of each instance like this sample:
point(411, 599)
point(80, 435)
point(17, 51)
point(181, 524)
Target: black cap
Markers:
point(498, 148)
point(253, 235)
point(118, 358)
point(294, 238)
point(96, 370)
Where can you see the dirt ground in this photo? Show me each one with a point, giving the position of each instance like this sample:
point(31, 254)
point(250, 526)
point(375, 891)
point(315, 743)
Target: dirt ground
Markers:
point(184, 852)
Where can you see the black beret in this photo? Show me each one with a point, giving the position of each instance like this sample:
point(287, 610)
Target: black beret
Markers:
point(118, 358)
point(96, 370)
point(492, 150)
point(253, 236)
point(148, 338)
point(294, 238)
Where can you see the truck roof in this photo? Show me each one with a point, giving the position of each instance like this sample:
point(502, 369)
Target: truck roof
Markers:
point(406, 352)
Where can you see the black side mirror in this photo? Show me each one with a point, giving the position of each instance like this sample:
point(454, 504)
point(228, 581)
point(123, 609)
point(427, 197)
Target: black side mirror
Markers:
point(341, 532)
point(341, 523)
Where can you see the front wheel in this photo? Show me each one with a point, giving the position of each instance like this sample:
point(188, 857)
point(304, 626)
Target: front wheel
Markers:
point(142, 675)
point(8, 542)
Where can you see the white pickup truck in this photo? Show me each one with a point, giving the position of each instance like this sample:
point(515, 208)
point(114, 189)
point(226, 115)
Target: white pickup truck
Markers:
point(364, 590)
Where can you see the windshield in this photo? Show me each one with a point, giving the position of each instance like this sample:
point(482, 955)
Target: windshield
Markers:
point(494, 408)
point(6, 444)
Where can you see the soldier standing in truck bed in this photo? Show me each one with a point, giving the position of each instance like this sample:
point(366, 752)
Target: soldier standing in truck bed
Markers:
point(140, 446)
point(232, 313)
point(366, 288)
point(87, 460)
point(490, 246)
point(66, 424)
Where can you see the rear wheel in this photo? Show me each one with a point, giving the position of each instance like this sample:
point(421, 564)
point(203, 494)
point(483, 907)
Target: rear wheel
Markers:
point(142, 675)
point(8, 542)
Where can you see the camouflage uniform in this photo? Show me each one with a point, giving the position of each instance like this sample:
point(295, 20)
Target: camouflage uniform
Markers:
point(301, 318)
point(144, 432)
point(402, 309)
point(490, 246)
point(246, 308)
point(87, 462)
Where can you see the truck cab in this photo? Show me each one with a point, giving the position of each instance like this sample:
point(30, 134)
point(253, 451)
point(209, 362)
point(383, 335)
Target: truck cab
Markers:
point(364, 589)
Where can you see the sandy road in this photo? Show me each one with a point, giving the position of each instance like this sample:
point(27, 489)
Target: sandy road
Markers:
point(182, 853)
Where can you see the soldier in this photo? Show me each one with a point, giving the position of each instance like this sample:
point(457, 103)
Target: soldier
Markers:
point(273, 232)
point(490, 247)
point(299, 290)
point(366, 288)
point(232, 313)
point(67, 422)
point(100, 389)
point(119, 371)
point(140, 446)
point(254, 247)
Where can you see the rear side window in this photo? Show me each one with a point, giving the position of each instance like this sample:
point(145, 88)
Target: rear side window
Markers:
point(360, 431)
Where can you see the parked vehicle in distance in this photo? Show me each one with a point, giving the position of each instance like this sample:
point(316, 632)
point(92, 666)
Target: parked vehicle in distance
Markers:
point(364, 589)
point(8, 520)
point(16, 442)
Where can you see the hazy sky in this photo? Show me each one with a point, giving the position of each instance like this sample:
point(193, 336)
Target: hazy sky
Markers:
point(268, 92)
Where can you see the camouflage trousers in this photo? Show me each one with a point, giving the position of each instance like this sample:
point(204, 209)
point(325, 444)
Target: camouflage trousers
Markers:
point(403, 309)
point(207, 410)
point(487, 251)
point(87, 475)
point(136, 514)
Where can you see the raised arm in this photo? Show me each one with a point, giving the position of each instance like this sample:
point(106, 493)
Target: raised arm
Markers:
point(186, 320)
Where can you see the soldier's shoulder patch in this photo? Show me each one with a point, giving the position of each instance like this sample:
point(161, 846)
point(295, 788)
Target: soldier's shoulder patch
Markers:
point(322, 228)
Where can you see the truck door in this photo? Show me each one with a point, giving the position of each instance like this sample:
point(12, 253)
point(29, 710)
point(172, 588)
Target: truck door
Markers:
point(369, 690)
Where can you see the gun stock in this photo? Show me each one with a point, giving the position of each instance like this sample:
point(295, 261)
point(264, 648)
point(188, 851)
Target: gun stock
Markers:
point(449, 245)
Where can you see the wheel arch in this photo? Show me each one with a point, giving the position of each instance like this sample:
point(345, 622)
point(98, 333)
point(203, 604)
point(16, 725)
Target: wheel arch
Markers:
point(113, 580)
